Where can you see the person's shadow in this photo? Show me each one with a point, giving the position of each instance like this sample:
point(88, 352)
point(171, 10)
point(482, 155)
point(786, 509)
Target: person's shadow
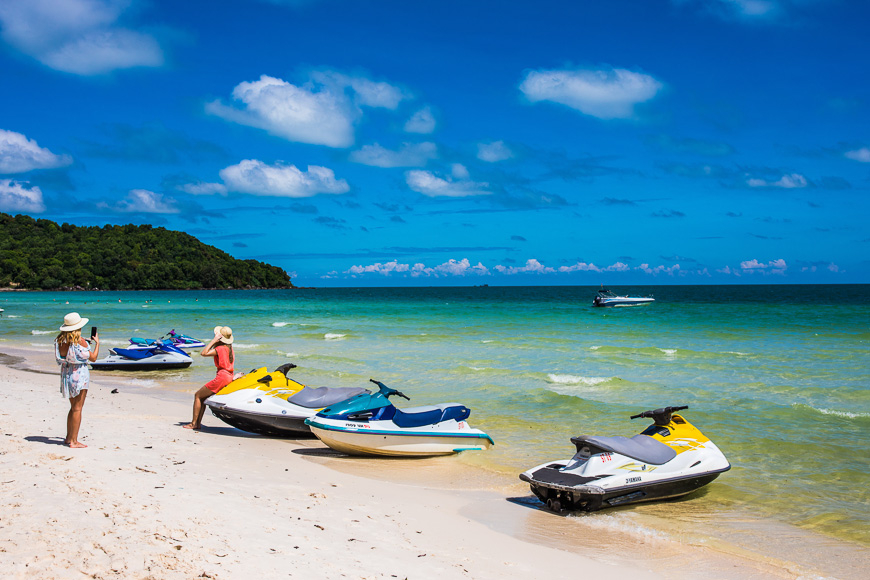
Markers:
point(46, 440)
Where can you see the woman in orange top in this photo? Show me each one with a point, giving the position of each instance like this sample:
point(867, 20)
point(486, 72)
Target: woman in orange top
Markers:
point(221, 348)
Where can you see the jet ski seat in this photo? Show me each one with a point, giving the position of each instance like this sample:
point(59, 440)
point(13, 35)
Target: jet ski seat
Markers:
point(133, 354)
point(641, 447)
point(428, 415)
point(319, 397)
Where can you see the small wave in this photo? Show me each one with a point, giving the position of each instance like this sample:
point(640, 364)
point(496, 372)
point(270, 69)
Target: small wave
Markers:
point(842, 414)
point(575, 380)
point(38, 332)
point(290, 354)
point(594, 347)
point(12, 316)
point(333, 336)
point(737, 352)
point(486, 341)
point(669, 351)
point(280, 324)
point(112, 342)
point(41, 345)
point(620, 523)
point(244, 346)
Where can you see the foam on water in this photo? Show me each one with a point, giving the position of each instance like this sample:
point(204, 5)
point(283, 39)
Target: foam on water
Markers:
point(623, 522)
point(39, 332)
point(145, 383)
point(333, 336)
point(576, 380)
point(842, 414)
point(12, 316)
point(280, 324)
point(244, 346)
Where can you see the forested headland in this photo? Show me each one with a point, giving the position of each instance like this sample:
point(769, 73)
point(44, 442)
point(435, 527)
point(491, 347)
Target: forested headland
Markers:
point(39, 254)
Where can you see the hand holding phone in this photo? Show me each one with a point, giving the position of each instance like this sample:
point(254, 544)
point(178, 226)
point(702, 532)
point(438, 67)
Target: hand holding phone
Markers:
point(93, 331)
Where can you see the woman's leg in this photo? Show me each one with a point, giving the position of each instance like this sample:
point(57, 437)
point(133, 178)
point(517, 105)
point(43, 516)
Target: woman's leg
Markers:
point(74, 420)
point(198, 407)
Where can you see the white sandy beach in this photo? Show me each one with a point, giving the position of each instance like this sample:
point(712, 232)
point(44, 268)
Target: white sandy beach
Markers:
point(148, 499)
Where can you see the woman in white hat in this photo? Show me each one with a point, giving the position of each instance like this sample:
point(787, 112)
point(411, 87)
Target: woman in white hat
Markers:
point(73, 355)
point(221, 348)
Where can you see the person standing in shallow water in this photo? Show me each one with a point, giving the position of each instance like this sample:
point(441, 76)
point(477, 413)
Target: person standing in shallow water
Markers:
point(73, 355)
point(221, 348)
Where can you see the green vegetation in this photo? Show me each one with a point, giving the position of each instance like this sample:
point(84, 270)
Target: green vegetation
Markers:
point(40, 254)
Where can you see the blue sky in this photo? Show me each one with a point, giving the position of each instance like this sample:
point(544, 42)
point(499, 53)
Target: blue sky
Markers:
point(371, 143)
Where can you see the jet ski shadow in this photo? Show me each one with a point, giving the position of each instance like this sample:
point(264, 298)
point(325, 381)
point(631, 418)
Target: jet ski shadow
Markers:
point(46, 440)
point(319, 452)
point(227, 431)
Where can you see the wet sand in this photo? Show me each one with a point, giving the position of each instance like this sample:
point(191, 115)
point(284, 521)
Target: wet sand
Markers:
point(149, 499)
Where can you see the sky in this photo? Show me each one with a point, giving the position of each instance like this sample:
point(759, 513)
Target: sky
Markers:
point(396, 143)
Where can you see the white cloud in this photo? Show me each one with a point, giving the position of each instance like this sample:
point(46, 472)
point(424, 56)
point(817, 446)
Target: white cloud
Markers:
point(833, 267)
point(457, 185)
point(790, 181)
point(532, 266)
point(584, 267)
point(368, 92)
point(423, 121)
point(19, 154)
point(257, 178)
point(15, 196)
point(602, 93)
point(77, 36)
point(408, 155)
point(143, 201)
point(862, 155)
point(660, 269)
point(203, 188)
point(320, 112)
point(451, 267)
point(777, 266)
point(493, 152)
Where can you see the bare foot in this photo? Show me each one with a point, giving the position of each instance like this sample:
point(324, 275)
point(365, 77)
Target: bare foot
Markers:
point(191, 426)
point(77, 445)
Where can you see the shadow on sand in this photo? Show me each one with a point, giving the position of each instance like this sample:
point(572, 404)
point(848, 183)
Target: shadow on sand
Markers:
point(46, 440)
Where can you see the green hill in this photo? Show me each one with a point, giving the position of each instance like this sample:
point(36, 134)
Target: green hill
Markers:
point(40, 254)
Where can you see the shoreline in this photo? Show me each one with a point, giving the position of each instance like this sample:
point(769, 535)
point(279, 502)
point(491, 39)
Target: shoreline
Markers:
point(456, 504)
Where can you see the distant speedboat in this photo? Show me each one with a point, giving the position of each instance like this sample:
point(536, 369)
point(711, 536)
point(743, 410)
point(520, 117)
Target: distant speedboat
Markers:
point(607, 298)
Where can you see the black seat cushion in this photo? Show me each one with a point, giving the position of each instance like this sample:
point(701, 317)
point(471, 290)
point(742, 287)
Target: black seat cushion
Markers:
point(641, 447)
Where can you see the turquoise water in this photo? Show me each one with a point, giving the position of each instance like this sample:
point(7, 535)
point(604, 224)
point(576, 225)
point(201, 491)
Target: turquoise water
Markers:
point(777, 376)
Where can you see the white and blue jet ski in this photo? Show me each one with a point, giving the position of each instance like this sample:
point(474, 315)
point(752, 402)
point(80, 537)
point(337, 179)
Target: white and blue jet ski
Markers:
point(159, 356)
point(180, 340)
point(670, 458)
point(369, 424)
point(273, 404)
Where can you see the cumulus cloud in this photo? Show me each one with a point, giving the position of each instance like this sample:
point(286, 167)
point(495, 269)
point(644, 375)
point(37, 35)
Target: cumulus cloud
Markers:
point(584, 267)
point(19, 154)
point(16, 196)
point(423, 121)
point(408, 155)
point(458, 184)
point(862, 154)
point(258, 178)
point(532, 266)
point(790, 181)
point(493, 152)
point(601, 93)
point(777, 266)
point(321, 112)
point(143, 201)
point(203, 188)
point(451, 267)
point(77, 36)
point(660, 269)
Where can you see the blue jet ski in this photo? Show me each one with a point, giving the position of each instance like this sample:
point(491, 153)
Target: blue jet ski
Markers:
point(369, 424)
point(158, 356)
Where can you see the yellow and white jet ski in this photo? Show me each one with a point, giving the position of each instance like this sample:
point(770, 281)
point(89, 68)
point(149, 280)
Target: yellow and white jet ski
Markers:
point(271, 403)
point(670, 458)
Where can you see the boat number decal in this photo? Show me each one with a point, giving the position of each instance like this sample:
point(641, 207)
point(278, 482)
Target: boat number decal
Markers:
point(460, 425)
point(632, 479)
point(605, 457)
point(357, 426)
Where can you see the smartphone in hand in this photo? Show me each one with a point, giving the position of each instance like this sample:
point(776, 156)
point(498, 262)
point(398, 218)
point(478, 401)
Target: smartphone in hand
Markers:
point(93, 331)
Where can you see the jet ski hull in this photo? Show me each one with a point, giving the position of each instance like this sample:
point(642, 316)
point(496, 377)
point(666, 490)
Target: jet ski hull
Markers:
point(592, 498)
point(392, 444)
point(261, 423)
point(107, 365)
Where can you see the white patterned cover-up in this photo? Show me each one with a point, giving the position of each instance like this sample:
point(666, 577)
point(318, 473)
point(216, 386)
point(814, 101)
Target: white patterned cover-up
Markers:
point(74, 373)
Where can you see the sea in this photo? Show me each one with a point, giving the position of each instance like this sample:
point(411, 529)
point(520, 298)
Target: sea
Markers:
point(778, 376)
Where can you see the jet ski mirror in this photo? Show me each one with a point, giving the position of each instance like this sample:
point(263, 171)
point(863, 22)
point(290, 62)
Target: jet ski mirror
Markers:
point(388, 392)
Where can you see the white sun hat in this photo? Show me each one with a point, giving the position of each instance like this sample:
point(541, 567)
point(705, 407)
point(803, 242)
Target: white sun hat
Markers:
point(73, 321)
point(224, 334)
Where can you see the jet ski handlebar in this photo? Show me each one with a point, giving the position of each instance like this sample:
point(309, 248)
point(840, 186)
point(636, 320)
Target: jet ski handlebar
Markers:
point(388, 392)
point(660, 416)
